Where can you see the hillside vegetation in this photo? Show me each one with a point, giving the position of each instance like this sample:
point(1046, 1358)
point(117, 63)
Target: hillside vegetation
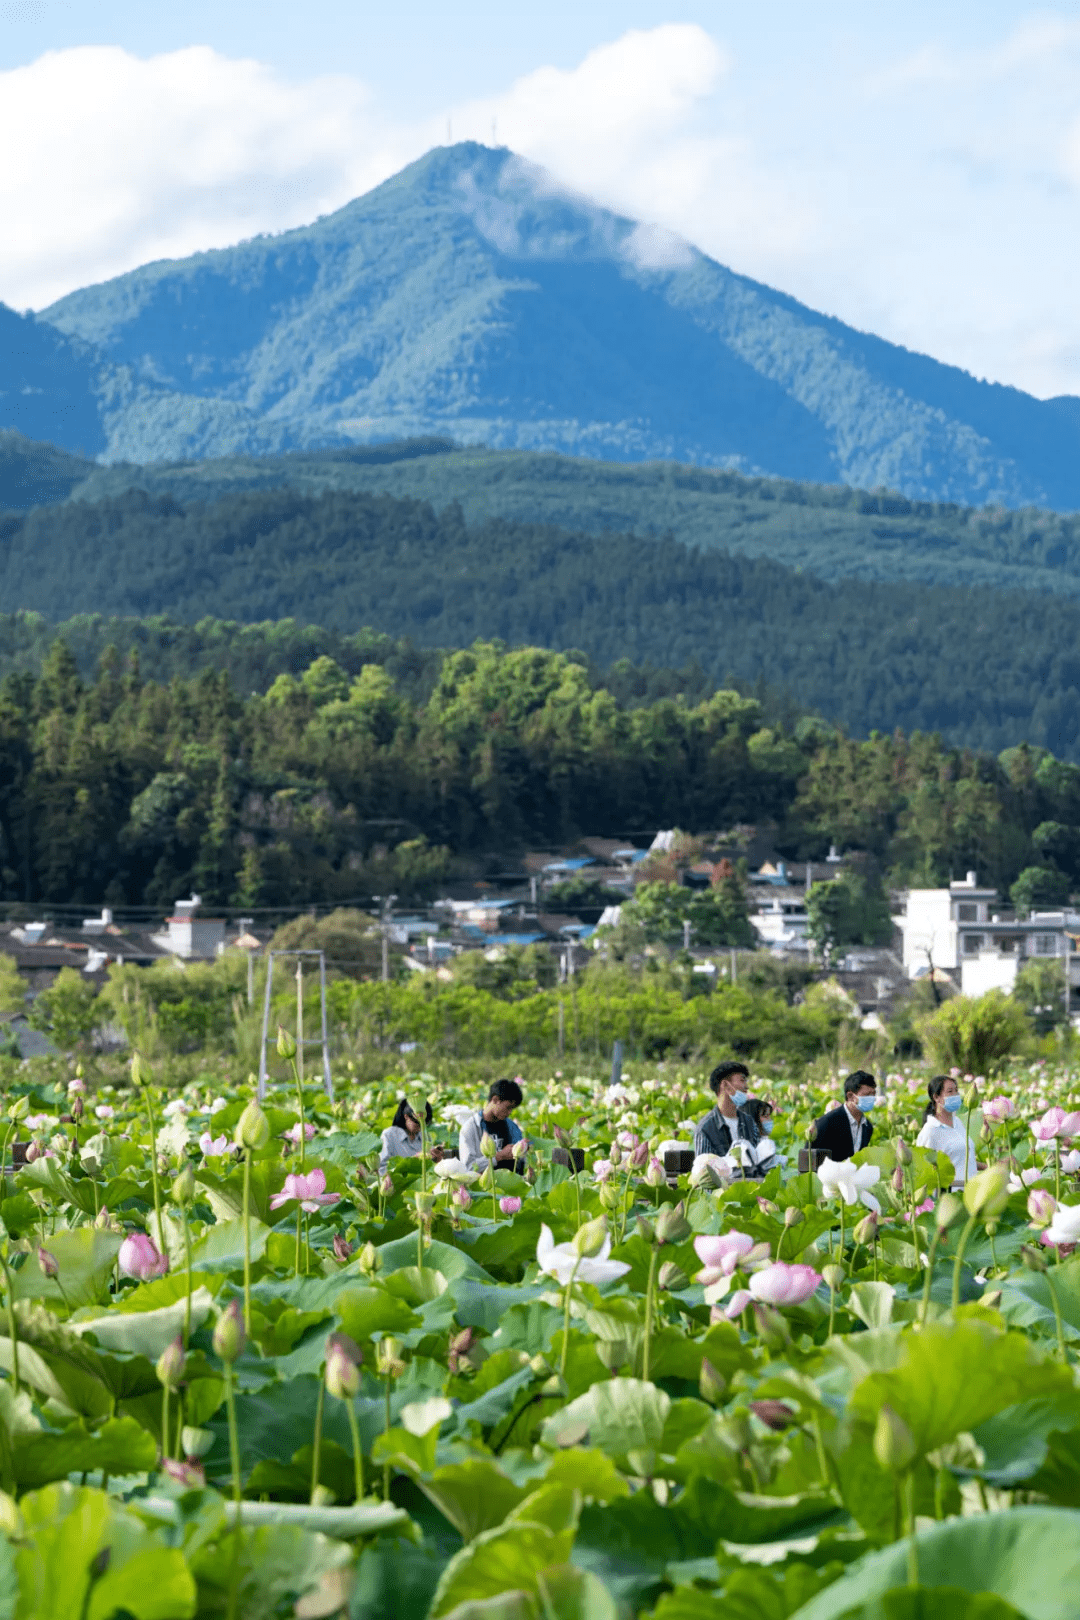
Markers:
point(470, 295)
point(986, 668)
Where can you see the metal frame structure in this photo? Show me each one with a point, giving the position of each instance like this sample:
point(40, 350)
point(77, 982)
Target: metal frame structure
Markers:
point(316, 1040)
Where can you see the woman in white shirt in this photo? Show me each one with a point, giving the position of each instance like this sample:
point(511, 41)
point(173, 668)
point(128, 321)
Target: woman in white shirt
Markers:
point(941, 1133)
point(402, 1139)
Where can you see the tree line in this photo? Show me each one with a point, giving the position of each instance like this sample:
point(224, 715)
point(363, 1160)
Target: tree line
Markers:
point(334, 785)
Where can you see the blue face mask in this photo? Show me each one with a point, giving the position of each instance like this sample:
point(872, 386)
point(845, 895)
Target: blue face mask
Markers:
point(866, 1103)
point(740, 1099)
point(767, 1126)
point(954, 1104)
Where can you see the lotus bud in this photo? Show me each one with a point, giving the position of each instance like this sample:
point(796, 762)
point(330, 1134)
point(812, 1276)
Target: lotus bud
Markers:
point(590, 1238)
point(140, 1074)
point(866, 1230)
point(639, 1156)
point(425, 1203)
point(711, 1384)
point(833, 1277)
point(793, 1216)
point(386, 1186)
point(519, 1149)
point(903, 1152)
point(229, 1337)
point(252, 1128)
point(196, 1442)
point(645, 1230)
point(101, 1219)
point(654, 1174)
point(774, 1414)
point(388, 1358)
point(461, 1198)
point(671, 1224)
point(1041, 1205)
point(343, 1358)
point(34, 1151)
point(672, 1277)
point(562, 1137)
point(19, 1108)
point(461, 1343)
point(342, 1251)
point(540, 1366)
point(78, 1108)
point(48, 1263)
point(616, 1154)
point(183, 1188)
point(171, 1363)
point(488, 1146)
point(286, 1043)
point(894, 1447)
point(986, 1134)
point(771, 1328)
point(767, 1207)
point(322, 1496)
point(369, 1260)
point(190, 1475)
point(987, 1194)
point(1033, 1259)
point(992, 1299)
point(898, 1179)
point(971, 1097)
point(949, 1210)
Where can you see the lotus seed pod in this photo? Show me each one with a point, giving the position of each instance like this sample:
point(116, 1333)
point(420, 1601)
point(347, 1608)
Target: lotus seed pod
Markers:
point(833, 1276)
point(671, 1224)
point(196, 1442)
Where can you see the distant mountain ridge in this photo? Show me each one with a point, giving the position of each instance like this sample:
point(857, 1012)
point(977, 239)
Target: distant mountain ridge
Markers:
point(472, 297)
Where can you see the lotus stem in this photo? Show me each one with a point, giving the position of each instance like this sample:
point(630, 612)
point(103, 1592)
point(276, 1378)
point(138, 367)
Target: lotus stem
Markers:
point(234, 1456)
point(958, 1262)
point(247, 1240)
point(358, 1451)
point(650, 1302)
point(316, 1439)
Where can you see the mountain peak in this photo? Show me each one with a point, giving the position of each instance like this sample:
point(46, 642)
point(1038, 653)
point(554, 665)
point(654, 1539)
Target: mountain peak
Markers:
point(473, 295)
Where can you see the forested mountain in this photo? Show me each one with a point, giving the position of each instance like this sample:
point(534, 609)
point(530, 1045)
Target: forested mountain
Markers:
point(471, 296)
point(829, 531)
point(984, 667)
point(329, 787)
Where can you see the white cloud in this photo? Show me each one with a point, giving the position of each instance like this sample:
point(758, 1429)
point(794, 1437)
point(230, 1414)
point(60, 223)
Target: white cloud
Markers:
point(110, 160)
point(932, 200)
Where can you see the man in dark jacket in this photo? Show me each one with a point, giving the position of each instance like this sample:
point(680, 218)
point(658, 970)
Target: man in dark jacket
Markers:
point(843, 1131)
point(730, 1121)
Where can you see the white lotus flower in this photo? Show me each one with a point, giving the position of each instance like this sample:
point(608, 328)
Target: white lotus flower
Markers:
point(457, 1171)
point(562, 1261)
point(711, 1170)
point(845, 1179)
point(1065, 1226)
point(1071, 1162)
point(457, 1114)
point(1027, 1178)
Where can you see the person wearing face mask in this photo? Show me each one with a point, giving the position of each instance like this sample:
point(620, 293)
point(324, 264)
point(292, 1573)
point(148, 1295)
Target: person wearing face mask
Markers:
point(762, 1110)
point(941, 1133)
point(730, 1121)
point(844, 1131)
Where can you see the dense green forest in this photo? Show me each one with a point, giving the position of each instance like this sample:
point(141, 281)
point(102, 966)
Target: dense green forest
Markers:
point(986, 668)
point(831, 531)
point(329, 786)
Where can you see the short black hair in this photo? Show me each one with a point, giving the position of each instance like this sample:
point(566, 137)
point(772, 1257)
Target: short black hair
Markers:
point(403, 1109)
point(758, 1107)
point(505, 1091)
point(724, 1071)
point(856, 1081)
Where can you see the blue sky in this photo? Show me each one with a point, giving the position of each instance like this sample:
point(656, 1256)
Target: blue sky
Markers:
point(913, 169)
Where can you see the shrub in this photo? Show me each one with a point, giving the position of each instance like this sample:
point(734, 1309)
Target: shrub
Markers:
point(975, 1035)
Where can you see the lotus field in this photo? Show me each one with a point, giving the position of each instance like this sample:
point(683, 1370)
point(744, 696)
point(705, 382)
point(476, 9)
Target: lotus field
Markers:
point(249, 1375)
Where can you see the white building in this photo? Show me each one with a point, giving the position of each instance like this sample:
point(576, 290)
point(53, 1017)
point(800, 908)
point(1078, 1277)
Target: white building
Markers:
point(958, 931)
point(189, 935)
point(932, 920)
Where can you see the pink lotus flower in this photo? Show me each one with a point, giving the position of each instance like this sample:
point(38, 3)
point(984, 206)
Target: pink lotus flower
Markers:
point(293, 1133)
point(1050, 1126)
point(1041, 1205)
point(721, 1255)
point(140, 1258)
point(461, 1197)
point(189, 1473)
point(308, 1191)
point(735, 1306)
point(213, 1146)
point(999, 1109)
point(781, 1284)
point(105, 1111)
point(603, 1169)
point(509, 1206)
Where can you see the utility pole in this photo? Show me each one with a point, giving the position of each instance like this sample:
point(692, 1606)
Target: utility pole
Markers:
point(686, 930)
point(386, 907)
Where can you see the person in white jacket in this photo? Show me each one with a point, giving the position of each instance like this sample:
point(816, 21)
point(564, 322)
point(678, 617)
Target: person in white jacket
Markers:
point(941, 1133)
point(492, 1120)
